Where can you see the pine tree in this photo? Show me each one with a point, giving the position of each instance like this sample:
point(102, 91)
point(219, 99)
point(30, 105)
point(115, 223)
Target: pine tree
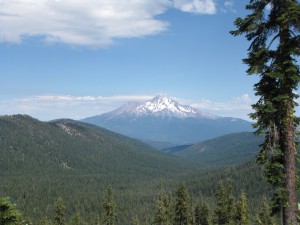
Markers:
point(241, 216)
point(110, 207)
point(264, 216)
point(8, 214)
point(273, 29)
point(60, 212)
point(162, 208)
point(202, 214)
point(223, 214)
point(182, 207)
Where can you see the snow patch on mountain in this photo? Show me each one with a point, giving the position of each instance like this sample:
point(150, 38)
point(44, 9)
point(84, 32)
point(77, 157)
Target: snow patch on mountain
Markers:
point(160, 106)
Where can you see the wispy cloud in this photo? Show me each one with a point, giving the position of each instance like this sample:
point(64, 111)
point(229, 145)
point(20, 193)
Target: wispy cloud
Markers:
point(89, 22)
point(196, 6)
point(241, 102)
point(48, 107)
point(239, 106)
point(229, 6)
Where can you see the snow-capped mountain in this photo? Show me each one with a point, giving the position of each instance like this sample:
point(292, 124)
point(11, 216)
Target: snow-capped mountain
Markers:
point(160, 106)
point(163, 119)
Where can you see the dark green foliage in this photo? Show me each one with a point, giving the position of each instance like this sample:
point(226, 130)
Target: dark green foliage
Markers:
point(9, 215)
point(71, 146)
point(182, 206)
point(224, 212)
point(59, 212)
point(241, 214)
point(202, 214)
point(275, 40)
point(163, 214)
point(109, 207)
point(264, 216)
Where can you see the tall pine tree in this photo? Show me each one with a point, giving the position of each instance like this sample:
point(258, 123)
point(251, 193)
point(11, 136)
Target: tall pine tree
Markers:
point(202, 214)
point(273, 29)
point(224, 211)
point(163, 208)
point(182, 207)
point(264, 215)
point(241, 216)
point(110, 207)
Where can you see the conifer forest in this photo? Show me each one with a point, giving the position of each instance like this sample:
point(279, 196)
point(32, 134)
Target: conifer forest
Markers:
point(71, 172)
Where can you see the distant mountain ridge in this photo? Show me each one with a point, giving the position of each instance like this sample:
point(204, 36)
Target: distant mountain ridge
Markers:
point(162, 119)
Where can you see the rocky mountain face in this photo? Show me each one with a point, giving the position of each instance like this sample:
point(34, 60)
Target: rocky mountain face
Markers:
point(163, 119)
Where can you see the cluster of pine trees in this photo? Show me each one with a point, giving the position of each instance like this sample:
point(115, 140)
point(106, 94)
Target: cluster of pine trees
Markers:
point(227, 210)
point(177, 209)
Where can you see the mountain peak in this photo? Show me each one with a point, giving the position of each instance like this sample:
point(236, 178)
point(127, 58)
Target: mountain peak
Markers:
point(163, 119)
point(159, 106)
point(168, 107)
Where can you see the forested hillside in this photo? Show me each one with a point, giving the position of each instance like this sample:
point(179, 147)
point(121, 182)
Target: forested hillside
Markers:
point(43, 161)
point(28, 145)
point(229, 149)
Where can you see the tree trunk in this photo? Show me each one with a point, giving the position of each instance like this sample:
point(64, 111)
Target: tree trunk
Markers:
point(290, 211)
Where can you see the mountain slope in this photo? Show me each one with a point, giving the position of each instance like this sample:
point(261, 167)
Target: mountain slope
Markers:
point(229, 149)
point(41, 161)
point(162, 119)
point(30, 145)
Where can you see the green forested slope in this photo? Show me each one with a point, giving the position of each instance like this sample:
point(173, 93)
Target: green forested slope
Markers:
point(41, 161)
point(37, 147)
point(229, 149)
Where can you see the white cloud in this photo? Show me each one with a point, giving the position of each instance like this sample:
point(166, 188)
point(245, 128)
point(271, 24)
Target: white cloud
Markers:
point(236, 107)
point(229, 6)
point(89, 22)
point(196, 6)
point(48, 107)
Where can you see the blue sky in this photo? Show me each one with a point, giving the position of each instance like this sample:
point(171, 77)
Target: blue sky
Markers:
point(79, 58)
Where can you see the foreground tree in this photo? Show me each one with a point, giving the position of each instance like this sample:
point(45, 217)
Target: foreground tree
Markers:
point(109, 206)
point(8, 214)
point(202, 214)
point(224, 212)
point(264, 216)
point(273, 29)
point(163, 208)
point(241, 216)
point(182, 206)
